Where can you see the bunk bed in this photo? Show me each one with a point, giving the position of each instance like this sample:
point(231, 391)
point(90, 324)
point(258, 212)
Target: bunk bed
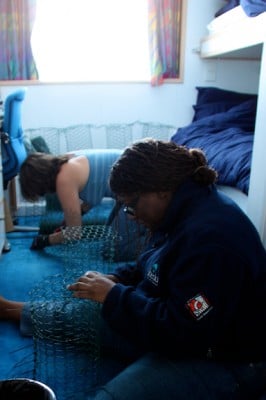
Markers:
point(223, 127)
point(237, 34)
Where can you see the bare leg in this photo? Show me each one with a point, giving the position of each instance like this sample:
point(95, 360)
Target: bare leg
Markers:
point(10, 310)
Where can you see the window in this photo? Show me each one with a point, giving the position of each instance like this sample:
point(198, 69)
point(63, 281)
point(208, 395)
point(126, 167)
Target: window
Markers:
point(91, 40)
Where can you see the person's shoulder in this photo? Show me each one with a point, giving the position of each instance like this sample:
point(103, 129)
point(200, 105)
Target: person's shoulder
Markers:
point(76, 160)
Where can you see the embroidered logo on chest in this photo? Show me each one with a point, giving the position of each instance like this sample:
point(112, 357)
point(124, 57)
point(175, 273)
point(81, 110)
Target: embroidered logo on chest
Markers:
point(153, 274)
point(198, 306)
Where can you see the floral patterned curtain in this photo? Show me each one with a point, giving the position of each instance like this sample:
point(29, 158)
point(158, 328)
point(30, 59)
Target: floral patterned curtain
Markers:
point(16, 23)
point(164, 39)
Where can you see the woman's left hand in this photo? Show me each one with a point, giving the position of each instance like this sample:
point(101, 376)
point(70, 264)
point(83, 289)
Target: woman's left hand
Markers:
point(93, 286)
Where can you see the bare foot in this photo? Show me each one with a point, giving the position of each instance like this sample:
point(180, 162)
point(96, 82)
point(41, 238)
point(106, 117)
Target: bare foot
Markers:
point(10, 310)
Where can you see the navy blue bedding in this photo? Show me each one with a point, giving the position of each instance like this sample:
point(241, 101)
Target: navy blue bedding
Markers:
point(251, 7)
point(227, 140)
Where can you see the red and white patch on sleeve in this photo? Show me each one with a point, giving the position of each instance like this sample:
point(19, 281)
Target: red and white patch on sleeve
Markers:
point(198, 306)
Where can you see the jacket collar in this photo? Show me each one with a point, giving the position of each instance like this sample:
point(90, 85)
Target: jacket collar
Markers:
point(186, 196)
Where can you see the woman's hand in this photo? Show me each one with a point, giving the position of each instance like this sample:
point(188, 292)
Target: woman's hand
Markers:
point(93, 286)
point(109, 276)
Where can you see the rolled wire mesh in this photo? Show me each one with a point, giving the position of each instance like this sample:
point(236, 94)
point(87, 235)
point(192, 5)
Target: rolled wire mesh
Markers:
point(78, 137)
point(157, 131)
point(86, 247)
point(118, 136)
point(52, 137)
point(66, 340)
point(66, 330)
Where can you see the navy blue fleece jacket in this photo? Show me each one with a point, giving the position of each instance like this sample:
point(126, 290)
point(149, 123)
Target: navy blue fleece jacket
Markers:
point(199, 287)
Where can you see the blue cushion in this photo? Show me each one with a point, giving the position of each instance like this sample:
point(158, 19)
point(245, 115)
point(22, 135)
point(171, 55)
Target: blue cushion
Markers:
point(205, 110)
point(253, 7)
point(217, 95)
point(213, 100)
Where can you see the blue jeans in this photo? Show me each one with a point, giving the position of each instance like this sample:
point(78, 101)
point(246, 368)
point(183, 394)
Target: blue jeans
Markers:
point(153, 377)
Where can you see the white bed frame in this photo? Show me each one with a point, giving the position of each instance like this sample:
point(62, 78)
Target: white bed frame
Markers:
point(245, 37)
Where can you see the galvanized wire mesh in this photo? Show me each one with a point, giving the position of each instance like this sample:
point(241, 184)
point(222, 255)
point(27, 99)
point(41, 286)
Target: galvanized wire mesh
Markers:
point(157, 131)
point(80, 132)
point(51, 136)
point(87, 247)
point(66, 339)
point(113, 135)
point(118, 136)
point(66, 330)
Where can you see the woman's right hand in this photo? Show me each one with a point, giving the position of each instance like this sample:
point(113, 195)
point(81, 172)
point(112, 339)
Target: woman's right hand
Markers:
point(94, 286)
point(112, 278)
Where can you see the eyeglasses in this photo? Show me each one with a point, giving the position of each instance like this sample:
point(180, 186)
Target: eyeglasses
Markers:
point(131, 208)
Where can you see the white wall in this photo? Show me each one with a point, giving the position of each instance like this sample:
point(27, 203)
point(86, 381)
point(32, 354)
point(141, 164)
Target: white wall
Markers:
point(71, 104)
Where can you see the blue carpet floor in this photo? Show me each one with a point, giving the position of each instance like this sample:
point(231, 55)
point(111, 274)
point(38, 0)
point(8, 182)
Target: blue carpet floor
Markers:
point(21, 269)
point(50, 270)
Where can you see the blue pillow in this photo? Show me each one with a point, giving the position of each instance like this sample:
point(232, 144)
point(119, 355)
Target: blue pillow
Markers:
point(253, 7)
point(217, 95)
point(205, 110)
point(213, 100)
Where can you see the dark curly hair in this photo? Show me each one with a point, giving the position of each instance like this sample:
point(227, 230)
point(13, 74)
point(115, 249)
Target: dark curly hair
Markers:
point(153, 165)
point(38, 174)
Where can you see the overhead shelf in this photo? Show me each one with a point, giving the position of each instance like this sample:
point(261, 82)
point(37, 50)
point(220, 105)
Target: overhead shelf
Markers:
point(235, 35)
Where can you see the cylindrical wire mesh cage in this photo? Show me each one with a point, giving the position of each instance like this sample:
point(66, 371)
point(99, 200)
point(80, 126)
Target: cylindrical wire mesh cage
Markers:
point(66, 342)
point(89, 247)
point(66, 330)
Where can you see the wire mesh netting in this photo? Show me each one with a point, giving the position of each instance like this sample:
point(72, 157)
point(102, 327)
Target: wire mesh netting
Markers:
point(82, 136)
point(50, 136)
point(66, 330)
point(66, 340)
point(157, 131)
point(118, 136)
point(83, 132)
point(86, 247)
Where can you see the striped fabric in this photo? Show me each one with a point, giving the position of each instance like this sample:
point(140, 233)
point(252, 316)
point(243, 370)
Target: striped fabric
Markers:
point(164, 39)
point(16, 23)
point(100, 161)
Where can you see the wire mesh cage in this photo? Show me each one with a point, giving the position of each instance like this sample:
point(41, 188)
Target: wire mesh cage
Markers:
point(157, 131)
point(118, 136)
point(86, 247)
point(66, 330)
point(50, 136)
point(82, 132)
point(66, 340)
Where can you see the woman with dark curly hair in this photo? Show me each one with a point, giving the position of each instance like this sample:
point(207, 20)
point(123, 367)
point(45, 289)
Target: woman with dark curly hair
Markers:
point(191, 312)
